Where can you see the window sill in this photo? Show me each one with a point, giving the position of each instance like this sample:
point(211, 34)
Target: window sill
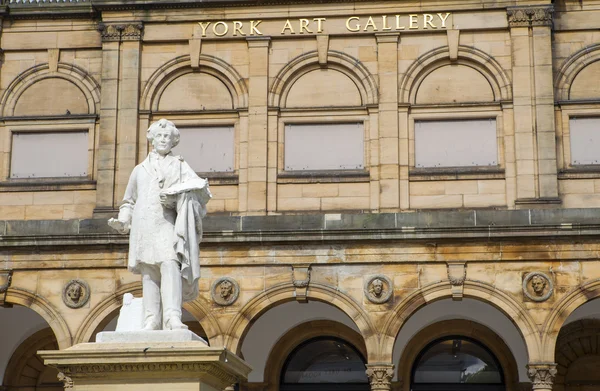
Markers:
point(324, 176)
point(455, 173)
point(47, 184)
point(587, 171)
point(220, 178)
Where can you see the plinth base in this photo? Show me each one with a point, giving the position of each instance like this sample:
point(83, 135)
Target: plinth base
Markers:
point(147, 366)
point(142, 336)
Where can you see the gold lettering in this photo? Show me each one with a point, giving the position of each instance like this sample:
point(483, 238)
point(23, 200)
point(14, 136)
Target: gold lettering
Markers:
point(226, 28)
point(384, 22)
point(319, 24)
point(253, 27)
point(398, 27)
point(357, 28)
point(444, 19)
point(414, 23)
point(287, 26)
point(204, 27)
point(427, 18)
point(304, 26)
point(371, 23)
point(237, 28)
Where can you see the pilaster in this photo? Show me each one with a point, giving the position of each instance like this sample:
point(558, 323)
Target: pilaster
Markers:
point(256, 163)
point(533, 97)
point(387, 64)
point(542, 375)
point(380, 376)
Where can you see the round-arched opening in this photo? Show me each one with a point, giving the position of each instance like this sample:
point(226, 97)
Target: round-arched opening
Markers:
point(324, 363)
point(457, 363)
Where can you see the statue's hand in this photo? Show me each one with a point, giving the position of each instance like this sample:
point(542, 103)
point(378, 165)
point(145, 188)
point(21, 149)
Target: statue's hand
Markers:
point(121, 226)
point(168, 200)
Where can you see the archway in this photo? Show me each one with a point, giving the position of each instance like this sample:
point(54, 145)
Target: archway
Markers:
point(324, 363)
point(457, 363)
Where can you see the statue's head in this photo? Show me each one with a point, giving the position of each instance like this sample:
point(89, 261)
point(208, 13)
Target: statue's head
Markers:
point(538, 283)
point(226, 289)
point(377, 287)
point(74, 292)
point(163, 135)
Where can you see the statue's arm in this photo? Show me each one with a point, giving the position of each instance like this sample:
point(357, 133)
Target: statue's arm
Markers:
point(123, 222)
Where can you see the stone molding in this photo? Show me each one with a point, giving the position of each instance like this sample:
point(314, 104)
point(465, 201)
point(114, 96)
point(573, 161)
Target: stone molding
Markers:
point(534, 297)
point(121, 32)
point(386, 294)
point(380, 376)
point(232, 294)
point(530, 16)
point(83, 297)
point(542, 375)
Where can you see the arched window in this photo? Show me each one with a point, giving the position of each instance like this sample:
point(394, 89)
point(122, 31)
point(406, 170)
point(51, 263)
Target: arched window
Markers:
point(456, 363)
point(324, 363)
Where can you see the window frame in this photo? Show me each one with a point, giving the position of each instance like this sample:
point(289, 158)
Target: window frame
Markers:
point(479, 111)
point(568, 110)
point(74, 123)
point(212, 118)
point(327, 116)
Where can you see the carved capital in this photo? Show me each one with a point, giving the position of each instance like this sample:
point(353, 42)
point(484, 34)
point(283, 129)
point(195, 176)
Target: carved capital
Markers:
point(542, 375)
point(121, 32)
point(530, 16)
point(380, 376)
point(132, 32)
point(5, 281)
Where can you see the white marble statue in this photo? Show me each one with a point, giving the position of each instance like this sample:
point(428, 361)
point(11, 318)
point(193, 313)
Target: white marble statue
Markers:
point(163, 208)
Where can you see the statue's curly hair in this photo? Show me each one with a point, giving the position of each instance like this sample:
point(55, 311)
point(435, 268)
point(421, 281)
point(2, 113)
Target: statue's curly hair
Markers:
point(163, 124)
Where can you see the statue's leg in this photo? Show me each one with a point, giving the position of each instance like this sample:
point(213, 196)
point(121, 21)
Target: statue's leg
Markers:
point(151, 297)
point(171, 292)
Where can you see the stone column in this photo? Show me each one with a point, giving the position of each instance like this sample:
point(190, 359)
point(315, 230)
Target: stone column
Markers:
point(380, 376)
point(257, 155)
point(533, 97)
point(542, 375)
point(111, 36)
point(127, 119)
point(117, 149)
point(387, 67)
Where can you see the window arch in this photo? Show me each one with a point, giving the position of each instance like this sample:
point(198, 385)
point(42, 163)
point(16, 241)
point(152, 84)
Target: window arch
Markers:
point(457, 363)
point(323, 361)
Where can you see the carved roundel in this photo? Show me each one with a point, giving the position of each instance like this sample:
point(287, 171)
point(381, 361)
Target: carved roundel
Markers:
point(225, 291)
point(537, 286)
point(76, 293)
point(378, 289)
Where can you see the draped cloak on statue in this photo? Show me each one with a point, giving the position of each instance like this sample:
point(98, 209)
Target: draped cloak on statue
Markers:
point(160, 233)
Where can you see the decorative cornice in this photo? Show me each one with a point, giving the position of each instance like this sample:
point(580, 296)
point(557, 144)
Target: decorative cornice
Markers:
point(121, 32)
point(86, 370)
point(530, 16)
point(380, 376)
point(542, 375)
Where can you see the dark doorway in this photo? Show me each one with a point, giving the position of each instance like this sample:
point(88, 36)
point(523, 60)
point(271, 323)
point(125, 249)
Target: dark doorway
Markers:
point(456, 364)
point(324, 364)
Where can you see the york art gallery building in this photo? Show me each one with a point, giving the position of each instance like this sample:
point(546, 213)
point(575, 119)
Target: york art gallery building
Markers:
point(406, 187)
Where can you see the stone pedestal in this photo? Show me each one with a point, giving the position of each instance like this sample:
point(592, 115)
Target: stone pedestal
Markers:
point(146, 366)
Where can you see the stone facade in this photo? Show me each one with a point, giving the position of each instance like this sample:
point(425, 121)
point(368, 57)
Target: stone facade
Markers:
point(435, 234)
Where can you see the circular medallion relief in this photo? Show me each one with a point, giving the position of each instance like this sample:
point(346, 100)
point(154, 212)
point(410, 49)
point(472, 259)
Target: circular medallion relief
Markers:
point(76, 293)
point(537, 286)
point(225, 291)
point(378, 289)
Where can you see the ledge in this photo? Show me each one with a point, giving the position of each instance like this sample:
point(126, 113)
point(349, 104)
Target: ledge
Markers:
point(454, 173)
point(486, 225)
point(43, 184)
point(323, 176)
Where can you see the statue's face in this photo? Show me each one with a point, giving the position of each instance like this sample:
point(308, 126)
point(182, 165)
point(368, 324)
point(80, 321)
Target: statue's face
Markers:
point(74, 293)
point(538, 284)
point(225, 290)
point(163, 141)
point(377, 287)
